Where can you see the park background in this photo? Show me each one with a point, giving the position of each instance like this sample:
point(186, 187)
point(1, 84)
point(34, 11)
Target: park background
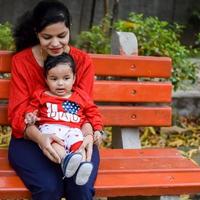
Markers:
point(163, 28)
point(86, 14)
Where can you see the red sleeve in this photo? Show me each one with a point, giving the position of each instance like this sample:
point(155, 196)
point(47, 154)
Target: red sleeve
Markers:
point(87, 80)
point(93, 115)
point(18, 100)
point(34, 101)
point(84, 71)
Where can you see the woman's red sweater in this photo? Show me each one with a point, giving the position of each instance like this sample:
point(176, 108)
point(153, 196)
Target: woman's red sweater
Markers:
point(27, 75)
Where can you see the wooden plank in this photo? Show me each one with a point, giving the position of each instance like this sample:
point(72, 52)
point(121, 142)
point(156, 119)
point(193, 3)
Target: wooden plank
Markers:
point(136, 116)
point(5, 61)
point(122, 116)
point(4, 115)
point(128, 153)
point(12, 187)
point(127, 91)
point(3, 153)
point(132, 160)
point(4, 88)
point(133, 165)
point(147, 184)
point(118, 91)
point(129, 184)
point(148, 165)
point(131, 66)
point(116, 65)
point(139, 153)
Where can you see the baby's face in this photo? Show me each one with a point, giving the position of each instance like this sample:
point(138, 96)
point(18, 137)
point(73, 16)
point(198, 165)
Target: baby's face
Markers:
point(60, 80)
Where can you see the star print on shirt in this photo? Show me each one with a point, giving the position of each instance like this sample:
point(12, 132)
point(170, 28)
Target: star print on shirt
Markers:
point(70, 107)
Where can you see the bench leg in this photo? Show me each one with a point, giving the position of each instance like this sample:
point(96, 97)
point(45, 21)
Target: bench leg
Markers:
point(126, 138)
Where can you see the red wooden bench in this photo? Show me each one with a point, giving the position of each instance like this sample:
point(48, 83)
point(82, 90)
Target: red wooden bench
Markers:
point(123, 172)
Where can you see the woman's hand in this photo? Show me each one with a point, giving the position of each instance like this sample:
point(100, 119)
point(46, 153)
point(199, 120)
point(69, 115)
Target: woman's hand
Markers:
point(44, 142)
point(88, 141)
point(45, 145)
point(97, 138)
point(87, 147)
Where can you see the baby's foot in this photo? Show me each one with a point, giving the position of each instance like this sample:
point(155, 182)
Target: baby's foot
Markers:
point(70, 164)
point(83, 173)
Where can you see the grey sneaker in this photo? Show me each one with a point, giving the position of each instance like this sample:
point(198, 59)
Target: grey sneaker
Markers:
point(83, 173)
point(70, 164)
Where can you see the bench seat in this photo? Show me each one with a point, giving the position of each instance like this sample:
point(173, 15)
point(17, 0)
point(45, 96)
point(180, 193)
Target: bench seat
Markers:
point(133, 172)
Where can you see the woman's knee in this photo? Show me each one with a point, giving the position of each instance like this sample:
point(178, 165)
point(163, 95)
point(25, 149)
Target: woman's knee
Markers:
point(47, 190)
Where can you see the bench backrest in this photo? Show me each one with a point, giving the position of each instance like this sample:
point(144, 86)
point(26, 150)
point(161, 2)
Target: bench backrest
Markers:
point(126, 97)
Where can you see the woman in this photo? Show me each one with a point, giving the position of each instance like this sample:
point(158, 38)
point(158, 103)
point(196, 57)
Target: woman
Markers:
point(45, 31)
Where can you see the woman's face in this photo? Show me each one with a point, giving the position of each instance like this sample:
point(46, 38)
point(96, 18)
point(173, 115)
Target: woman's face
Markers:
point(54, 39)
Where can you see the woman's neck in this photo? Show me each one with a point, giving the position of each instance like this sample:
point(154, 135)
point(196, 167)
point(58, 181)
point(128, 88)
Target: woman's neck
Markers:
point(39, 57)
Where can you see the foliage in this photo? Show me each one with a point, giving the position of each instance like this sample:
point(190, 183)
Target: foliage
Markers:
point(159, 38)
point(184, 135)
point(97, 39)
point(195, 50)
point(6, 39)
point(194, 19)
point(5, 133)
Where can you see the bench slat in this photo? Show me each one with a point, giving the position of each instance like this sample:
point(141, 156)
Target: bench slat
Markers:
point(134, 116)
point(129, 165)
point(116, 65)
point(130, 184)
point(118, 91)
point(129, 116)
point(128, 153)
point(132, 66)
point(5, 61)
point(12, 186)
point(147, 184)
point(129, 91)
point(4, 88)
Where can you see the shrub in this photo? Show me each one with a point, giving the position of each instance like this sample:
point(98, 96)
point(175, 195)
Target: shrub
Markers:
point(97, 39)
point(159, 38)
point(6, 39)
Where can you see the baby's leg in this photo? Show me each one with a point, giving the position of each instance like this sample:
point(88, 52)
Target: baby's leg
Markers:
point(61, 151)
point(71, 162)
point(74, 139)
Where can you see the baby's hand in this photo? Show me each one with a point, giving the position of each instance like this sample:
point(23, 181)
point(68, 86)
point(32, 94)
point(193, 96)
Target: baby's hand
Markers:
point(97, 138)
point(31, 118)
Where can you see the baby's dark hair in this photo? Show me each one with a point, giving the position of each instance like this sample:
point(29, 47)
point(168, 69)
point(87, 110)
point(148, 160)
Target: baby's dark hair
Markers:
point(53, 61)
point(45, 13)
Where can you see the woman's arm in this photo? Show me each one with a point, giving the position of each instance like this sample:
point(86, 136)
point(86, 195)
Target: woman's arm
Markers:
point(84, 73)
point(18, 102)
point(44, 141)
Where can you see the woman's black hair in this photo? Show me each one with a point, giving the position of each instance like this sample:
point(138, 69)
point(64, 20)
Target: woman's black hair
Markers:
point(53, 61)
point(45, 13)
